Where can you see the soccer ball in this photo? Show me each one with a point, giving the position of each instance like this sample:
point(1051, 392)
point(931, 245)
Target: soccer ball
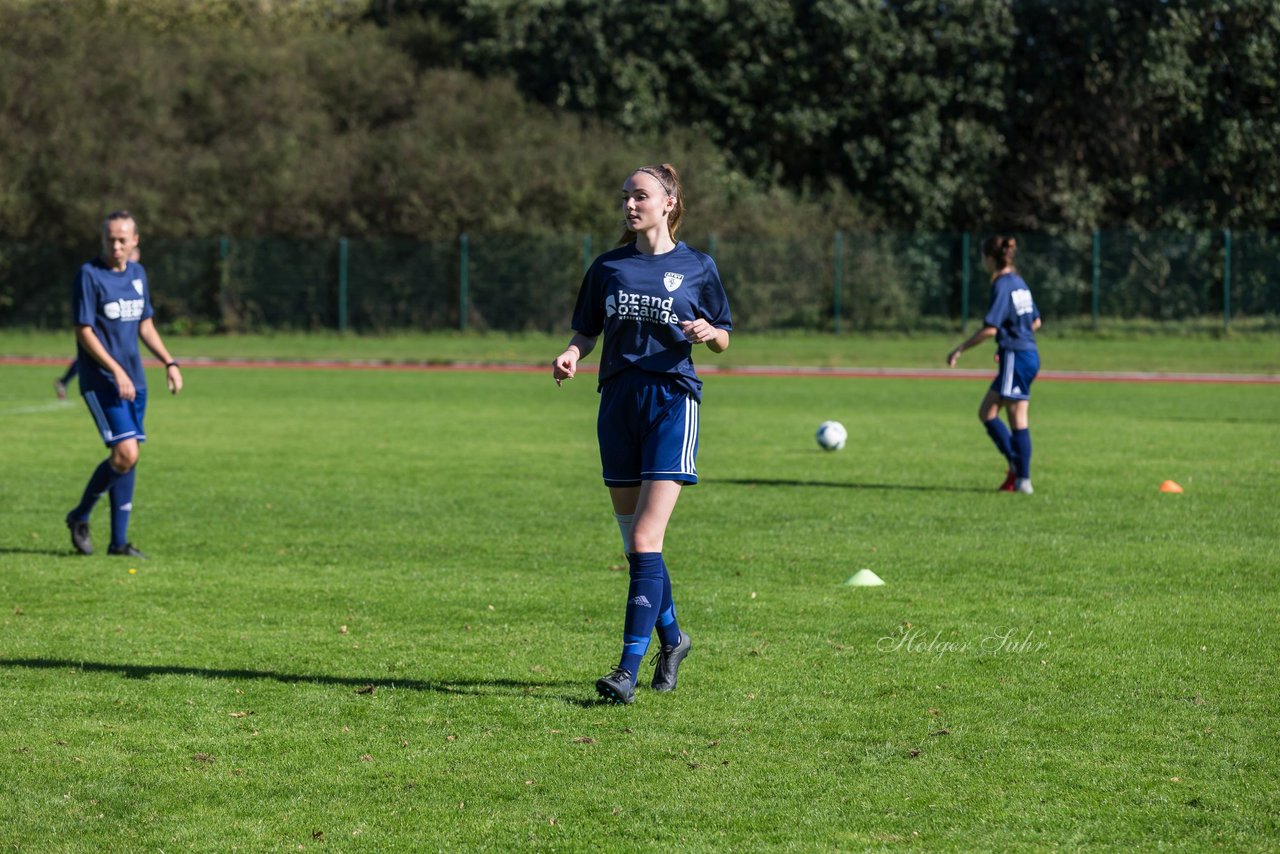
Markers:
point(832, 435)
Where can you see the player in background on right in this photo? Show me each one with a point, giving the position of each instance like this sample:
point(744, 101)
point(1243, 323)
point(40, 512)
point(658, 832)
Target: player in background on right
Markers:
point(1012, 319)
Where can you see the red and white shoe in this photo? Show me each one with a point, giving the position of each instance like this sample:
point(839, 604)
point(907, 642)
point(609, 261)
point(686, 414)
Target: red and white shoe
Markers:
point(1009, 479)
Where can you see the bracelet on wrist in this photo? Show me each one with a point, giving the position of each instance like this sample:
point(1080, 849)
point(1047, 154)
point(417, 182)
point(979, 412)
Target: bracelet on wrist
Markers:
point(171, 365)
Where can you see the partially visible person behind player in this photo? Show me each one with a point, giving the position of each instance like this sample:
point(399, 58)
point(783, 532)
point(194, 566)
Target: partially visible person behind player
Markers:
point(652, 298)
point(111, 307)
point(1012, 319)
point(61, 383)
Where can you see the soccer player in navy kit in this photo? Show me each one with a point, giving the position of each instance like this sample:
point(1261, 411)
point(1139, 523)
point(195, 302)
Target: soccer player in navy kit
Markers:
point(652, 298)
point(1012, 319)
point(61, 383)
point(111, 304)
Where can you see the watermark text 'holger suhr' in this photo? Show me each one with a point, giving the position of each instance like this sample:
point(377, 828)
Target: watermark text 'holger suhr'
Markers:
point(1004, 640)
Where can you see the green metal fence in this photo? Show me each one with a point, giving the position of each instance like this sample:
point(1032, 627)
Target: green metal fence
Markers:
point(836, 282)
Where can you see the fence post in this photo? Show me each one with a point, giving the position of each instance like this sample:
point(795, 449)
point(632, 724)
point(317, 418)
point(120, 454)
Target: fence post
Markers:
point(342, 284)
point(1096, 284)
point(462, 282)
point(224, 276)
point(964, 281)
point(838, 283)
point(586, 253)
point(711, 244)
point(1226, 278)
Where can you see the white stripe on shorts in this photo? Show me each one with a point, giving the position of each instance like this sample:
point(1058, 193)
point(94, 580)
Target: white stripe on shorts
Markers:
point(690, 436)
point(1006, 374)
point(99, 417)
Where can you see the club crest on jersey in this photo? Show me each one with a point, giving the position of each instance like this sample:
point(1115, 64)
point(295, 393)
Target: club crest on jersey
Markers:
point(137, 286)
point(671, 281)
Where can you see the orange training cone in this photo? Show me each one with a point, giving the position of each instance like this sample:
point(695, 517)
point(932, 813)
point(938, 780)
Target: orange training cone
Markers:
point(1170, 486)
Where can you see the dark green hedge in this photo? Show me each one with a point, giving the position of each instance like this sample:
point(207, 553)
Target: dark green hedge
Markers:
point(424, 118)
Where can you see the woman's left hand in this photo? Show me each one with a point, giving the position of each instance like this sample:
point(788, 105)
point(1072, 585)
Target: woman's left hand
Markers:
point(698, 331)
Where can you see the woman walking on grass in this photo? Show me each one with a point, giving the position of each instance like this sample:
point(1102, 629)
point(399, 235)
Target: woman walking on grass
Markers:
point(652, 298)
point(1012, 318)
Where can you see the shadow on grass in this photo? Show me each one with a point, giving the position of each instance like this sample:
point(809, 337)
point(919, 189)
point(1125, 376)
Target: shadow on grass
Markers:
point(828, 484)
point(1194, 419)
point(55, 552)
point(362, 685)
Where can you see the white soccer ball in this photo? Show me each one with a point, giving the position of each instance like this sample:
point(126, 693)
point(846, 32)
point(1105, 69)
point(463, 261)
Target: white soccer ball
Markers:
point(832, 436)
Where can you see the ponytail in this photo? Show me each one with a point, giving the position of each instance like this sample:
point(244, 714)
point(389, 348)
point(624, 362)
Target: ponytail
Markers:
point(1001, 250)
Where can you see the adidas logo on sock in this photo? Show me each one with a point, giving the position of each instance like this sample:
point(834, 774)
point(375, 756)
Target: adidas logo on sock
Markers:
point(642, 601)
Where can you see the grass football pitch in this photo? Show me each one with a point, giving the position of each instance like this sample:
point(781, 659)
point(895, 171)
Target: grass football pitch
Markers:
point(376, 602)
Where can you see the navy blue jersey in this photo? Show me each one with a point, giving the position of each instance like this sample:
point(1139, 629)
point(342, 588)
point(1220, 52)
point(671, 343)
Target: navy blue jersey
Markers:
point(1012, 313)
point(113, 303)
point(638, 302)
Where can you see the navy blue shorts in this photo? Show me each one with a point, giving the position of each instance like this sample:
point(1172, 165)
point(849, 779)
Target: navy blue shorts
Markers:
point(648, 430)
point(1017, 371)
point(117, 419)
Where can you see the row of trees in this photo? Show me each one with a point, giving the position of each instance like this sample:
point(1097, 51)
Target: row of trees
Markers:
point(1023, 114)
point(426, 118)
point(298, 120)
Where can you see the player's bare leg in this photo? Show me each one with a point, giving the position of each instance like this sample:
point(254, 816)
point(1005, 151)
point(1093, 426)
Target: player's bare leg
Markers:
point(124, 456)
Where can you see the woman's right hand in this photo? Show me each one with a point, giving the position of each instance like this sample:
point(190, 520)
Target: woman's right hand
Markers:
point(565, 366)
point(124, 386)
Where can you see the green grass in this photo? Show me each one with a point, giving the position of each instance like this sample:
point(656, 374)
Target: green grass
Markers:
point(444, 537)
point(1135, 348)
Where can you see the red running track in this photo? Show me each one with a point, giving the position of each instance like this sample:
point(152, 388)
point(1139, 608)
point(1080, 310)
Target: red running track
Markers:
point(754, 371)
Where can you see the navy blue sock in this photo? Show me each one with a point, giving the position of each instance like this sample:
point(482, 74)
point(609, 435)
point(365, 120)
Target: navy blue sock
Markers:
point(668, 629)
point(644, 596)
point(1022, 452)
point(121, 506)
point(1000, 435)
point(103, 476)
